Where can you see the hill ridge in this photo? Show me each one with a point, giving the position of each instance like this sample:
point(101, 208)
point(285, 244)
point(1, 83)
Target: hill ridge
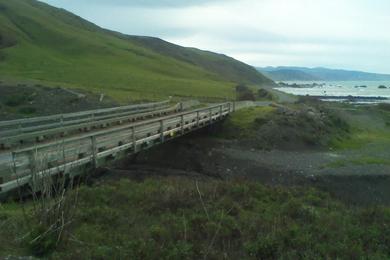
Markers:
point(290, 73)
point(57, 47)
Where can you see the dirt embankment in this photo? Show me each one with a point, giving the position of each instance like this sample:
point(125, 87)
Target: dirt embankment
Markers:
point(197, 156)
point(21, 101)
point(360, 175)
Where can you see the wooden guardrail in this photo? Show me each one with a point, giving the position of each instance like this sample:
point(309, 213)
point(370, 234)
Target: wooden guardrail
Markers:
point(93, 149)
point(15, 132)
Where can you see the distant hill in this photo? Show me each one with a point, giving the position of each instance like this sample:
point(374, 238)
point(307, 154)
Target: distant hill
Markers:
point(43, 44)
point(289, 74)
point(319, 74)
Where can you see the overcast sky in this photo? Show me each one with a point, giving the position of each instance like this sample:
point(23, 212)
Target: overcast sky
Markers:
point(349, 34)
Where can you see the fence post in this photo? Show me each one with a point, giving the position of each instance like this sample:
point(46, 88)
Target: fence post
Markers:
point(134, 140)
point(94, 151)
point(182, 124)
point(14, 168)
point(220, 111)
point(210, 116)
point(20, 128)
point(197, 118)
point(162, 130)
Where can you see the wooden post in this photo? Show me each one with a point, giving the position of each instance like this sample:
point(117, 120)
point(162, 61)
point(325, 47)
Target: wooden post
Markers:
point(134, 140)
point(210, 116)
point(182, 124)
point(197, 118)
point(94, 151)
point(14, 168)
point(220, 111)
point(162, 130)
point(20, 128)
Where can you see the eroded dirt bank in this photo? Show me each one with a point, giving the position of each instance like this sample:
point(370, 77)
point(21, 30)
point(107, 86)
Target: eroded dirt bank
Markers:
point(200, 156)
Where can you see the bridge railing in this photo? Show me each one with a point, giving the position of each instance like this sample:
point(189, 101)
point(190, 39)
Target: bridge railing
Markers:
point(15, 132)
point(93, 149)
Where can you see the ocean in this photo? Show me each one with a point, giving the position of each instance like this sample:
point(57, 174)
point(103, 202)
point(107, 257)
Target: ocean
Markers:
point(341, 89)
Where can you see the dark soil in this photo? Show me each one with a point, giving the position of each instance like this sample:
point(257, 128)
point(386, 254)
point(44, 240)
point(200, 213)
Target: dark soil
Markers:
point(197, 155)
point(27, 101)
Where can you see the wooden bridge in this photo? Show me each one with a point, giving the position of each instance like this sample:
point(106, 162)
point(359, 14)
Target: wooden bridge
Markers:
point(70, 144)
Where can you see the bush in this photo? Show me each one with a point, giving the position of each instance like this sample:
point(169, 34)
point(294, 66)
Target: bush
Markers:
point(27, 110)
point(384, 106)
point(15, 100)
point(41, 243)
point(265, 247)
point(264, 94)
point(244, 93)
point(244, 96)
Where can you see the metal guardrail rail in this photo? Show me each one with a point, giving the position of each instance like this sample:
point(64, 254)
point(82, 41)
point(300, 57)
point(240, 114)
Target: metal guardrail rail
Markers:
point(94, 149)
point(16, 132)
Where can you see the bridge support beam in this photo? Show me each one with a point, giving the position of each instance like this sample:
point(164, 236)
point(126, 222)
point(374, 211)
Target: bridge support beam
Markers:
point(162, 131)
point(133, 139)
point(182, 124)
point(94, 152)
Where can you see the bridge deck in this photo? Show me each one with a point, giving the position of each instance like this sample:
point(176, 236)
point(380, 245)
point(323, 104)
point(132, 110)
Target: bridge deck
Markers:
point(70, 154)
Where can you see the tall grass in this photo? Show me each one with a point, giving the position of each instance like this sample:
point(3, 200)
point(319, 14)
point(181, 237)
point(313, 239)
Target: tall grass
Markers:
point(50, 206)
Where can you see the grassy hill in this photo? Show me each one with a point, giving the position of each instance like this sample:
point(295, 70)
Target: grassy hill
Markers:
point(43, 44)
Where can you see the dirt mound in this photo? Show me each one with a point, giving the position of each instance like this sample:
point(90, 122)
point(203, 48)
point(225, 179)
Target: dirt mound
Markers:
point(28, 101)
point(298, 127)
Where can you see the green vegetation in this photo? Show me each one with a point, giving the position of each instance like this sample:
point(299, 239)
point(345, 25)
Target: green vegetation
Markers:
point(242, 124)
point(179, 218)
point(292, 126)
point(364, 160)
point(370, 126)
point(40, 43)
point(359, 138)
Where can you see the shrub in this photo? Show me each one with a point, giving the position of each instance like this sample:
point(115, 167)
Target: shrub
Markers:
point(265, 247)
point(15, 100)
point(264, 94)
point(244, 93)
point(384, 106)
point(40, 242)
point(27, 110)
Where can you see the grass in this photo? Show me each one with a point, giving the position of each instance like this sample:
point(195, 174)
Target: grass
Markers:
point(54, 47)
point(294, 126)
point(360, 138)
point(179, 218)
point(363, 160)
point(365, 132)
point(243, 121)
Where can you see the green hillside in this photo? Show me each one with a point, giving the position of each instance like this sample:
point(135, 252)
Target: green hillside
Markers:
point(43, 44)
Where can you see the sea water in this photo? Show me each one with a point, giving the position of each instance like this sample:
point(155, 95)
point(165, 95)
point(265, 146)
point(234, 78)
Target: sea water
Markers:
point(341, 89)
